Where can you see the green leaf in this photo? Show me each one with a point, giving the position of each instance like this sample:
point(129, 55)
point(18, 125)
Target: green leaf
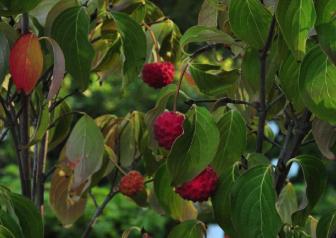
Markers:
point(7, 221)
point(317, 84)
point(208, 15)
point(253, 204)
point(251, 70)
point(13, 7)
point(326, 226)
point(42, 125)
point(195, 149)
point(296, 19)
point(326, 26)
point(29, 217)
point(315, 177)
point(4, 56)
point(289, 80)
point(256, 159)
point(165, 94)
point(62, 119)
point(170, 201)
point(287, 203)
point(9, 32)
point(188, 229)
point(133, 44)
point(130, 136)
point(250, 21)
point(233, 138)
point(199, 34)
point(325, 137)
point(70, 29)
point(212, 80)
point(221, 200)
point(55, 11)
point(65, 207)
point(5, 233)
point(84, 150)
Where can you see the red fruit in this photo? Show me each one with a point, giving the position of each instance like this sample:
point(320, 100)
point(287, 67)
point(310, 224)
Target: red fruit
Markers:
point(132, 183)
point(199, 188)
point(26, 62)
point(158, 75)
point(167, 127)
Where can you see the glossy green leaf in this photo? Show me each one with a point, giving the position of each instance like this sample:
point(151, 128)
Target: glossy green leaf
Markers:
point(70, 29)
point(326, 226)
point(84, 150)
point(316, 181)
point(56, 10)
point(29, 218)
point(251, 70)
point(250, 21)
point(195, 149)
point(326, 26)
point(199, 34)
point(289, 80)
point(4, 56)
point(317, 84)
point(212, 80)
point(13, 7)
point(5, 233)
point(188, 229)
point(221, 200)
point(287, 203)
point(296, 19)
point(7, 221)
point(133, 44)
point(170, 201)
point(232, 143)
point(256, 159)
point(253, 204)
point(131, 129)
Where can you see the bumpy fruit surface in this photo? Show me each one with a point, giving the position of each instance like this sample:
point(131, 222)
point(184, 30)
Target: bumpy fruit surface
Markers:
point(158, 75)
point(26, 62)
point(132, 183)
point(167, 127)
point(200, 188)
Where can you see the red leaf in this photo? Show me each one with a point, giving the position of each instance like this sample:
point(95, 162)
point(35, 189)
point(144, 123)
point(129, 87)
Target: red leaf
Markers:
point(26, 62)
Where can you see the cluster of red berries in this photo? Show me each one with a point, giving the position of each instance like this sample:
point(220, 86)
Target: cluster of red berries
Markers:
point(159, 74)
point(132, 183)
point(200, 188)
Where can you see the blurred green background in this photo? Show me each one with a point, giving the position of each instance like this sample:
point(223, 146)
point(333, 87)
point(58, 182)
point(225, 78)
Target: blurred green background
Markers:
point(122, 213)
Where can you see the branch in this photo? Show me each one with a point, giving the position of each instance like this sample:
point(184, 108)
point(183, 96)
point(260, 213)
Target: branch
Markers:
point(224, 100)
point(24, 126)
point(297, 131)
point(262, 94)
point(99, 211)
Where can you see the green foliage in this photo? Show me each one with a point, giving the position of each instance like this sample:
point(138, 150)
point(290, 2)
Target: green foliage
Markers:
point(195, 149)
point(256, 82)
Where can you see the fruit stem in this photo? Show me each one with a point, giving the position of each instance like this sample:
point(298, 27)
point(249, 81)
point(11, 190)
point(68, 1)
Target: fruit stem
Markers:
point(156, 55)
point(183, 71)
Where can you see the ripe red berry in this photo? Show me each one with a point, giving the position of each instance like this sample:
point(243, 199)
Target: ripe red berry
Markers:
point(199, 188)
point(158, 75)
point(132, 183)
point(167, 127)
point(26, 62)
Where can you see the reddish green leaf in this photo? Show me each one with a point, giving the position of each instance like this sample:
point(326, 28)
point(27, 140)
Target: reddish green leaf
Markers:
point(26, 62)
